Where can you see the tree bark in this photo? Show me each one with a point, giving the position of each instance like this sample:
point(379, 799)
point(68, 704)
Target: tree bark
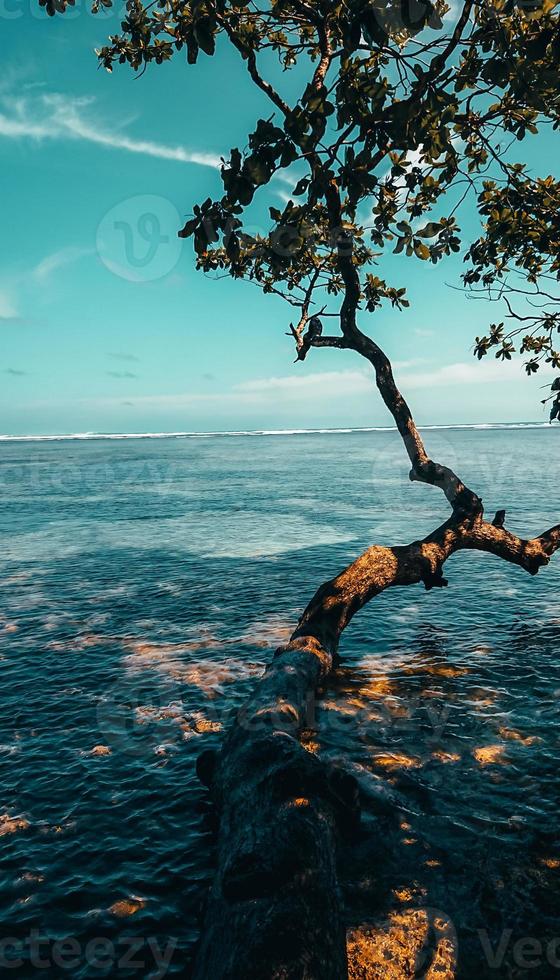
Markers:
point(274, 910)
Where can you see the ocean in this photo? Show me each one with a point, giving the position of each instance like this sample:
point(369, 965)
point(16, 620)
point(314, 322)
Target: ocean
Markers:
point(144, 584)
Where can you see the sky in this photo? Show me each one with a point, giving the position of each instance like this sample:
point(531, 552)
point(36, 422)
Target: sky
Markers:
point(105, 325)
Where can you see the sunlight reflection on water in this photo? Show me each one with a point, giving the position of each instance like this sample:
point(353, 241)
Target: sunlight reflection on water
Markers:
point(145, 586)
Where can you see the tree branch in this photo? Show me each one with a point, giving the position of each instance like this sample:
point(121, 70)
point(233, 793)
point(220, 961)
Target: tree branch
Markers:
point(274, 908)
point(326, 56)
point(424, 469)
point(440, 60)
point(248, 55)
point(380, 568)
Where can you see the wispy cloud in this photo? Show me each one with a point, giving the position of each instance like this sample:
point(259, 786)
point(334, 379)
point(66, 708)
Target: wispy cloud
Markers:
point(59, 117)
point(34, 280)
point(410, 376)
point(52, 116)
point(121, 356)
point(122, 374)
point(325, 386)
point(465, 373)
point(58, 260)
point(8, 310)
point(294, 385)
point(15, 372)
point(284, 196)
point(340, 397)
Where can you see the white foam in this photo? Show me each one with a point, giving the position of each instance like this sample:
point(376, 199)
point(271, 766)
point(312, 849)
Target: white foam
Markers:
point(91, 436)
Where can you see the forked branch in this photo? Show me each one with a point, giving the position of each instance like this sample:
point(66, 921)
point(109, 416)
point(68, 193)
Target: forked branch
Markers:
point(380, 568)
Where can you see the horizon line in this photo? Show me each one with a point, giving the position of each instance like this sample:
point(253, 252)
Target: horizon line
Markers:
point(323, 430)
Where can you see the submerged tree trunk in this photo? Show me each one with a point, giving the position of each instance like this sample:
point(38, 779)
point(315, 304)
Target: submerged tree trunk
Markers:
point(274, 910)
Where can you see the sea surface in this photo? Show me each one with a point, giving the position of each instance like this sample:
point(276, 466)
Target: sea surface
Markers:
point(144, 584)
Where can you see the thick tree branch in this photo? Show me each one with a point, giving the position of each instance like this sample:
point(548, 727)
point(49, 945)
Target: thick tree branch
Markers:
point(379, 568)
point(338, 342)
point(424, 469)
point(275, 909)
point(530, 555)
point(326, 57)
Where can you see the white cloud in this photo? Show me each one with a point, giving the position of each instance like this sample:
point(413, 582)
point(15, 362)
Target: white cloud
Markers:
point(322, 383)
point(288, 176)
point(8, 310)
point(340, 397)
point(58, 117)
point(464, 373)
point(184, 400)
point(284, 196)
point(293, 385)
point(58, 260)
point(410, 375)
point(266, 392)
point(301, 388)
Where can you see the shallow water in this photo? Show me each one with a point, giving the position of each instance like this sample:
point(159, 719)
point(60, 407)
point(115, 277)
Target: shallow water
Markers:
point(144, 585)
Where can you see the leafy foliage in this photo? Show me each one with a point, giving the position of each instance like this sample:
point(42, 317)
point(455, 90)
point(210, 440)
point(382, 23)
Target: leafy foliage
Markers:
point(403, 106)
point(518, 255)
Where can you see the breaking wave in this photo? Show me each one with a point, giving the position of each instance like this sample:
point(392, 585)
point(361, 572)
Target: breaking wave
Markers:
point(90, 436)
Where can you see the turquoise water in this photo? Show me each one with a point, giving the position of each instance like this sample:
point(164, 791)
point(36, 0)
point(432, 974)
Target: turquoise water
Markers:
point(143, 586)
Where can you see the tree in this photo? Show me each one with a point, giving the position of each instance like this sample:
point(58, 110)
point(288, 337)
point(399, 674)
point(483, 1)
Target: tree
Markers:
point(405, 111)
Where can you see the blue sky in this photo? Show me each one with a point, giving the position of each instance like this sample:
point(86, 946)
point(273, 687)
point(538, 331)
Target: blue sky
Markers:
point(104, 323)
